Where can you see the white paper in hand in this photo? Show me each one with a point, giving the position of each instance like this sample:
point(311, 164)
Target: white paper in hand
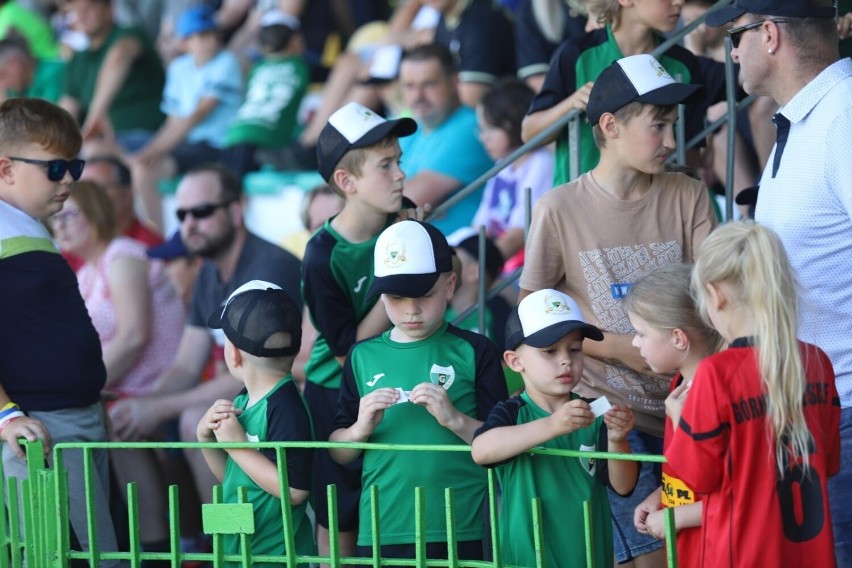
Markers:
point(600, 406)
point(403, 395)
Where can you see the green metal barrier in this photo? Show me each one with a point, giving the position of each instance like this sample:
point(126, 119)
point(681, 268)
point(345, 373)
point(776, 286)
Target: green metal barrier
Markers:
point(43, 511)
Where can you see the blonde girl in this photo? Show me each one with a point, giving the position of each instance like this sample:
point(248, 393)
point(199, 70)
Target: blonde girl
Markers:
point(673, 340)
point(758, 434)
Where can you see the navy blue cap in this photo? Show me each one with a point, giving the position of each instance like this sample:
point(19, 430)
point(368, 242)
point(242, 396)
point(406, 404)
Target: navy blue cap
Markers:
point(779, 8)
point(171, 249)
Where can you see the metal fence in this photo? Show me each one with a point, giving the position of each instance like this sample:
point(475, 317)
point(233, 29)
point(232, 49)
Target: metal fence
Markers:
point(36, 529)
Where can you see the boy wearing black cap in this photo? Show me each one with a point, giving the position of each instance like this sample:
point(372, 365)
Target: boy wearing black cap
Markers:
point(592, 237)
point(544, 342)
point(263, 331)
point(358, 155)
point(421, 382)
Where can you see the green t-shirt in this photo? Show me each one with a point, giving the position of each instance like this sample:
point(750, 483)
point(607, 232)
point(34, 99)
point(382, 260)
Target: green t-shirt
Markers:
point(48, 80)
point(32, 26)
point(267, 118)
point(336, 275)
point(280, 415)
point(137, 104)
point(468, 367)
point(562, 484)
point(575, 67)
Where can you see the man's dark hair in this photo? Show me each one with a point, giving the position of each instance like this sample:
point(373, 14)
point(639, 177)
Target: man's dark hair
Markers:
point(120, 170)
point(230, 187)
point(505, 106)
point(273, 39)
point(432, 51)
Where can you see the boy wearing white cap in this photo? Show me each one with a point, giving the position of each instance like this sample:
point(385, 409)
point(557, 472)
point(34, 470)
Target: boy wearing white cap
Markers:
point(544, 343)
point(358, 155)
point(592, 237)
point(263, 331)
point(423, 381)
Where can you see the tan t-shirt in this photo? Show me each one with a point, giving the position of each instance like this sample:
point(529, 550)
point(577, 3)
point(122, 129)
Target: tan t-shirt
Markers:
point(592, 246)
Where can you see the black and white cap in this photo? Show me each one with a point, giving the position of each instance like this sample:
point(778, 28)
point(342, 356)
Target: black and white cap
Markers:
point(408, 258)
point(276, 17)
point(638, 78)
point(544, 317)
point(355, 126)
point(254, 313)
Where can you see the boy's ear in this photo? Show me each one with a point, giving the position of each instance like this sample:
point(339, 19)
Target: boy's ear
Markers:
point(233, 355)
point(609, 125)
point(6, 170)
point(451, 285)
point(343, 179)
point(513, 361)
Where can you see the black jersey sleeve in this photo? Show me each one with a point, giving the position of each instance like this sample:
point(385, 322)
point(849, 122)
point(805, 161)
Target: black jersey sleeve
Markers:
point(349, 399)
point(288, 420)
point(490, 383)
point(330, 310)
point(561, 79)
point(504, 413)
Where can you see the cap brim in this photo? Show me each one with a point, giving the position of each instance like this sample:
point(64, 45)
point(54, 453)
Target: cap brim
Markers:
point(747, 196)
point(673, 94)
point(718, 18)
point(215, 319)
point(399, 127)
point(553, 333)
point(405, 285)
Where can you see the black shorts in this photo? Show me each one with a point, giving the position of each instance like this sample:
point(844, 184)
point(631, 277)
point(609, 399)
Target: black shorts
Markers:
point(322, 402)
point(468, 550)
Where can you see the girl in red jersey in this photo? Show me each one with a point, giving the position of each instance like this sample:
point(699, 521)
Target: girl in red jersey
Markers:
point(758, 435)
point(673, 340)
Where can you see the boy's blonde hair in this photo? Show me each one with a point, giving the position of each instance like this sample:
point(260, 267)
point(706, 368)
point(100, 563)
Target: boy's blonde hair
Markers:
point(605, 11)
point(752, 261)
point(353, 161)
point(36, 121)
point(627, 113)
point(662, 298)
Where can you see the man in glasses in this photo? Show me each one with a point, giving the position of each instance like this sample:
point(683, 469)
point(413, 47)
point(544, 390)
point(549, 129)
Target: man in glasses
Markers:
point(210, 211)
point(51, 370)
point(787, 49)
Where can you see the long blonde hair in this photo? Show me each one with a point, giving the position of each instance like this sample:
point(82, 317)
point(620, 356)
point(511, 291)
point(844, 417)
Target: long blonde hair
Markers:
point(752, 261)
point(662, 298)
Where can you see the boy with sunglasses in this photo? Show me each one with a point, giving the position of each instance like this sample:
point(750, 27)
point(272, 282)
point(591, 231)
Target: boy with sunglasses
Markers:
point(57, 398)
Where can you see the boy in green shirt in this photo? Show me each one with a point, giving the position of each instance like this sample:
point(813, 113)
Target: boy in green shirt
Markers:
point(263, 333)
point(544, 343)
point(358, 155)
point(423, 381)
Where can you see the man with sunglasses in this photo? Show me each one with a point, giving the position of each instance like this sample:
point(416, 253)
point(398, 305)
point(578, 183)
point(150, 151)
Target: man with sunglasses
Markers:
point(51, 369)
point(212, 225)
point(787, 49)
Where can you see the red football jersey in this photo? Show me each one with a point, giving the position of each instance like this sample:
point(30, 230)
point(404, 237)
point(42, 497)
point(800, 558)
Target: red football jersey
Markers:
point(753, 516)
point(675, 493)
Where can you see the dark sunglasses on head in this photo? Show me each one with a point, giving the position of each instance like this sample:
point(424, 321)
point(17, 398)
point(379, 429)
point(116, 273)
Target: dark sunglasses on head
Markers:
point(201, 211)
point(735, 33)
point(56, 169)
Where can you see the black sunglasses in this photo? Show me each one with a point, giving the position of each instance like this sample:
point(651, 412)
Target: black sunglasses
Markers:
point(735, 33)
point(202, 211)
point(56, 169)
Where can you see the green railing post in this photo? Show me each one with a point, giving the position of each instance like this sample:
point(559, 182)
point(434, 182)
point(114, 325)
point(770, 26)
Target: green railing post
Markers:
point(14, 508)
point(538, 533)
point(671, 538)
point(493, 507)
point(420, 527)
point(286, 508)
point(174, 526)
point(452, 543)
point(375, 526)
point(589, 534)
point(133, 526)
point(333, 527)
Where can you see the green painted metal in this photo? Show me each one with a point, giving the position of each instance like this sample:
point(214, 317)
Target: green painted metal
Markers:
point(44, 510)
point(333, 528)
point(589, 534)
point(671, 538)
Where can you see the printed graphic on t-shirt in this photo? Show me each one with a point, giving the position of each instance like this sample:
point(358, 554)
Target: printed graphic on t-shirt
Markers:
point(675, 492)
point(589, 464)
point(442, 376)
point(608, 273)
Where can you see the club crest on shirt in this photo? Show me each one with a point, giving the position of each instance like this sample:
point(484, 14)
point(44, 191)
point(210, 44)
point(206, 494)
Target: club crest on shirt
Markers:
point(442, 376)
point(394, 253)
point(589, 464)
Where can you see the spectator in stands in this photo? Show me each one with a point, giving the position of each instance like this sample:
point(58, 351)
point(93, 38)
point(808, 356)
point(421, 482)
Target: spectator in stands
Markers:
point(204, 90)
point(469, 29)
point(540, 26)
point(19, 21)
point(444, 154)
point(276, 85)
point(115, 84)
point(788, 51)
point(211, 212)
point(592, 237)
point(138, 317)
point(22, 75)
point(503, 209)
point(466, 265)
point(630, 29)
point(182, 267)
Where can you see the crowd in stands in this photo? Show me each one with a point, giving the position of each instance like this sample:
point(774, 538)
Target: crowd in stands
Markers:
point(640, 323)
